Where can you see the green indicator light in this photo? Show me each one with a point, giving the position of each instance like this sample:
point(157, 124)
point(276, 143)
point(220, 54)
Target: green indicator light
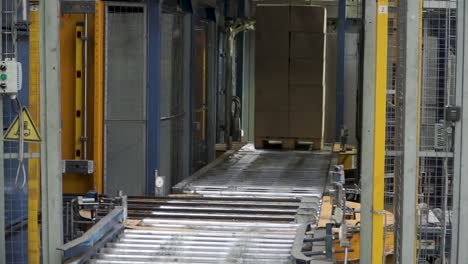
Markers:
point(3, 77)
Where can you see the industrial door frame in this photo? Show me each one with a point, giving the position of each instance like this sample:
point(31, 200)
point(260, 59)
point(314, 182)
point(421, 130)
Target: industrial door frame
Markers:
point(146, 112)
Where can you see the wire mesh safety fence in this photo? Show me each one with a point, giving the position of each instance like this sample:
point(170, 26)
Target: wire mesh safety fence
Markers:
point(436, 148)
point(391, 105)
point(436, 145)
point(15, 45)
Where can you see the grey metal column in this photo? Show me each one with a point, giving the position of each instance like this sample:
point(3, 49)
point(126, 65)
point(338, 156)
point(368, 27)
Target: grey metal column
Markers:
point(187, 123)
point(212, 75)
point(2, 185)
point(408, 86)
point(51, 175)
point(459, 253)
point(367, 137)
point(248, 95)
point(2, 169)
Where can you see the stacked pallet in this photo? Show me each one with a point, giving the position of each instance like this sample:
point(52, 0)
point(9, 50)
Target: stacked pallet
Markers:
point(290, 75)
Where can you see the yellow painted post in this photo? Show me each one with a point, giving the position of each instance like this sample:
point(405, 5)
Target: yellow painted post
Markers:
point(98, 118)
point(34, 169)
point(78, 91)
point(379, 129)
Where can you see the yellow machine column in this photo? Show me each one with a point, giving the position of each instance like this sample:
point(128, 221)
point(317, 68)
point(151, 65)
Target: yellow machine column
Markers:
point(378, 210)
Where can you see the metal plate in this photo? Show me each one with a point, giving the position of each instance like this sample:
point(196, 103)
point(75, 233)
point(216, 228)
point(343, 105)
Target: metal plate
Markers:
point(78, 166)
point(77, 6)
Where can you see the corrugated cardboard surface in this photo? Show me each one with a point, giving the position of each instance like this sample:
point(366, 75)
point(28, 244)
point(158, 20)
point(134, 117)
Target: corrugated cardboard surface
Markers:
point(270, 71)
point(272, 99)
point(306, 45)
point(304, 125)
point(306, 111)
point(305, 71)
point(272, 18)
point(272, 44)
point(307, 19)
point(272, 124)
point(290, 72)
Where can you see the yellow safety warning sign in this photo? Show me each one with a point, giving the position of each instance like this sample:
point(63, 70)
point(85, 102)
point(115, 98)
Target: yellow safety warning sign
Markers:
point(31, 134)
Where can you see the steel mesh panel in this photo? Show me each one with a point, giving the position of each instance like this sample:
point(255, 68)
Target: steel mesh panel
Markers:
point(125, 121)
point(436, 162)
point(391, 106)
point(14, 46)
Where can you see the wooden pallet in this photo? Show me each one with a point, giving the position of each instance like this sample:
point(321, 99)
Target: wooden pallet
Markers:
point(288, 143)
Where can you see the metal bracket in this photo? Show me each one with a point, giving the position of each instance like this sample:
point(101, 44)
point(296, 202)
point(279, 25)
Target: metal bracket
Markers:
point(82, 248)
point(78, 166)
point(78, 6)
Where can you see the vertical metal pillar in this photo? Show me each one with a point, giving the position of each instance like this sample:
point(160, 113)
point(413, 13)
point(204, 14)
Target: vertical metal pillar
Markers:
point(459, 253)
point(378, 210)
point(248, 95)
point(408, 86)
point(2, 184)
point(154, 84)
point(98, 94)
point(34, 168)
point(2, 169)
point(187, 95)
point(229, 87)
point(51, 175)
point(340, 68)
point(368, 115)
point(212, 74)
point(2, 190)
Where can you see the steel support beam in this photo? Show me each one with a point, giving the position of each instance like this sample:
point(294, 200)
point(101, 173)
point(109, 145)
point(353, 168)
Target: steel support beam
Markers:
point(248, 80)
point(380, 111)
point(154, 94)
point(2, 187)
point(409, 86)
point(211, 100)
point(367, 136)
point(2, 169)
point(51, 173)
point(459, 253)
point(186, 162)
point(340, 69)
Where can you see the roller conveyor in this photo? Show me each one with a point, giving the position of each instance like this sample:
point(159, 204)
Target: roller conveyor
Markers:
point(179, 241)
point(246, 207)
point(261, 173)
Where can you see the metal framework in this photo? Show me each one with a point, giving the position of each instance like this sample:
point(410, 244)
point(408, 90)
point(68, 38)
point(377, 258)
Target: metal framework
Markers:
point(459, 254)
point(51, 180)
point(407, 129)
point(368, 105)
point(378, 210)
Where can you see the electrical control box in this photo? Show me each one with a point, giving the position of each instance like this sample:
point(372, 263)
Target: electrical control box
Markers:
point(10, 77)
point(452, 113)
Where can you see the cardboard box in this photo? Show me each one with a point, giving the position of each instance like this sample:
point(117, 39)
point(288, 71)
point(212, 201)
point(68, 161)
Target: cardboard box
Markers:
point(306, 72)
point(272, 44)
point(304, 45)
point(311, 19)
point(271, 71)
point(303, 124)
point(289, 70)
point(306, 98)
point(306, 111)
point(273, 98)
point(272, 124)
point(272, 18)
